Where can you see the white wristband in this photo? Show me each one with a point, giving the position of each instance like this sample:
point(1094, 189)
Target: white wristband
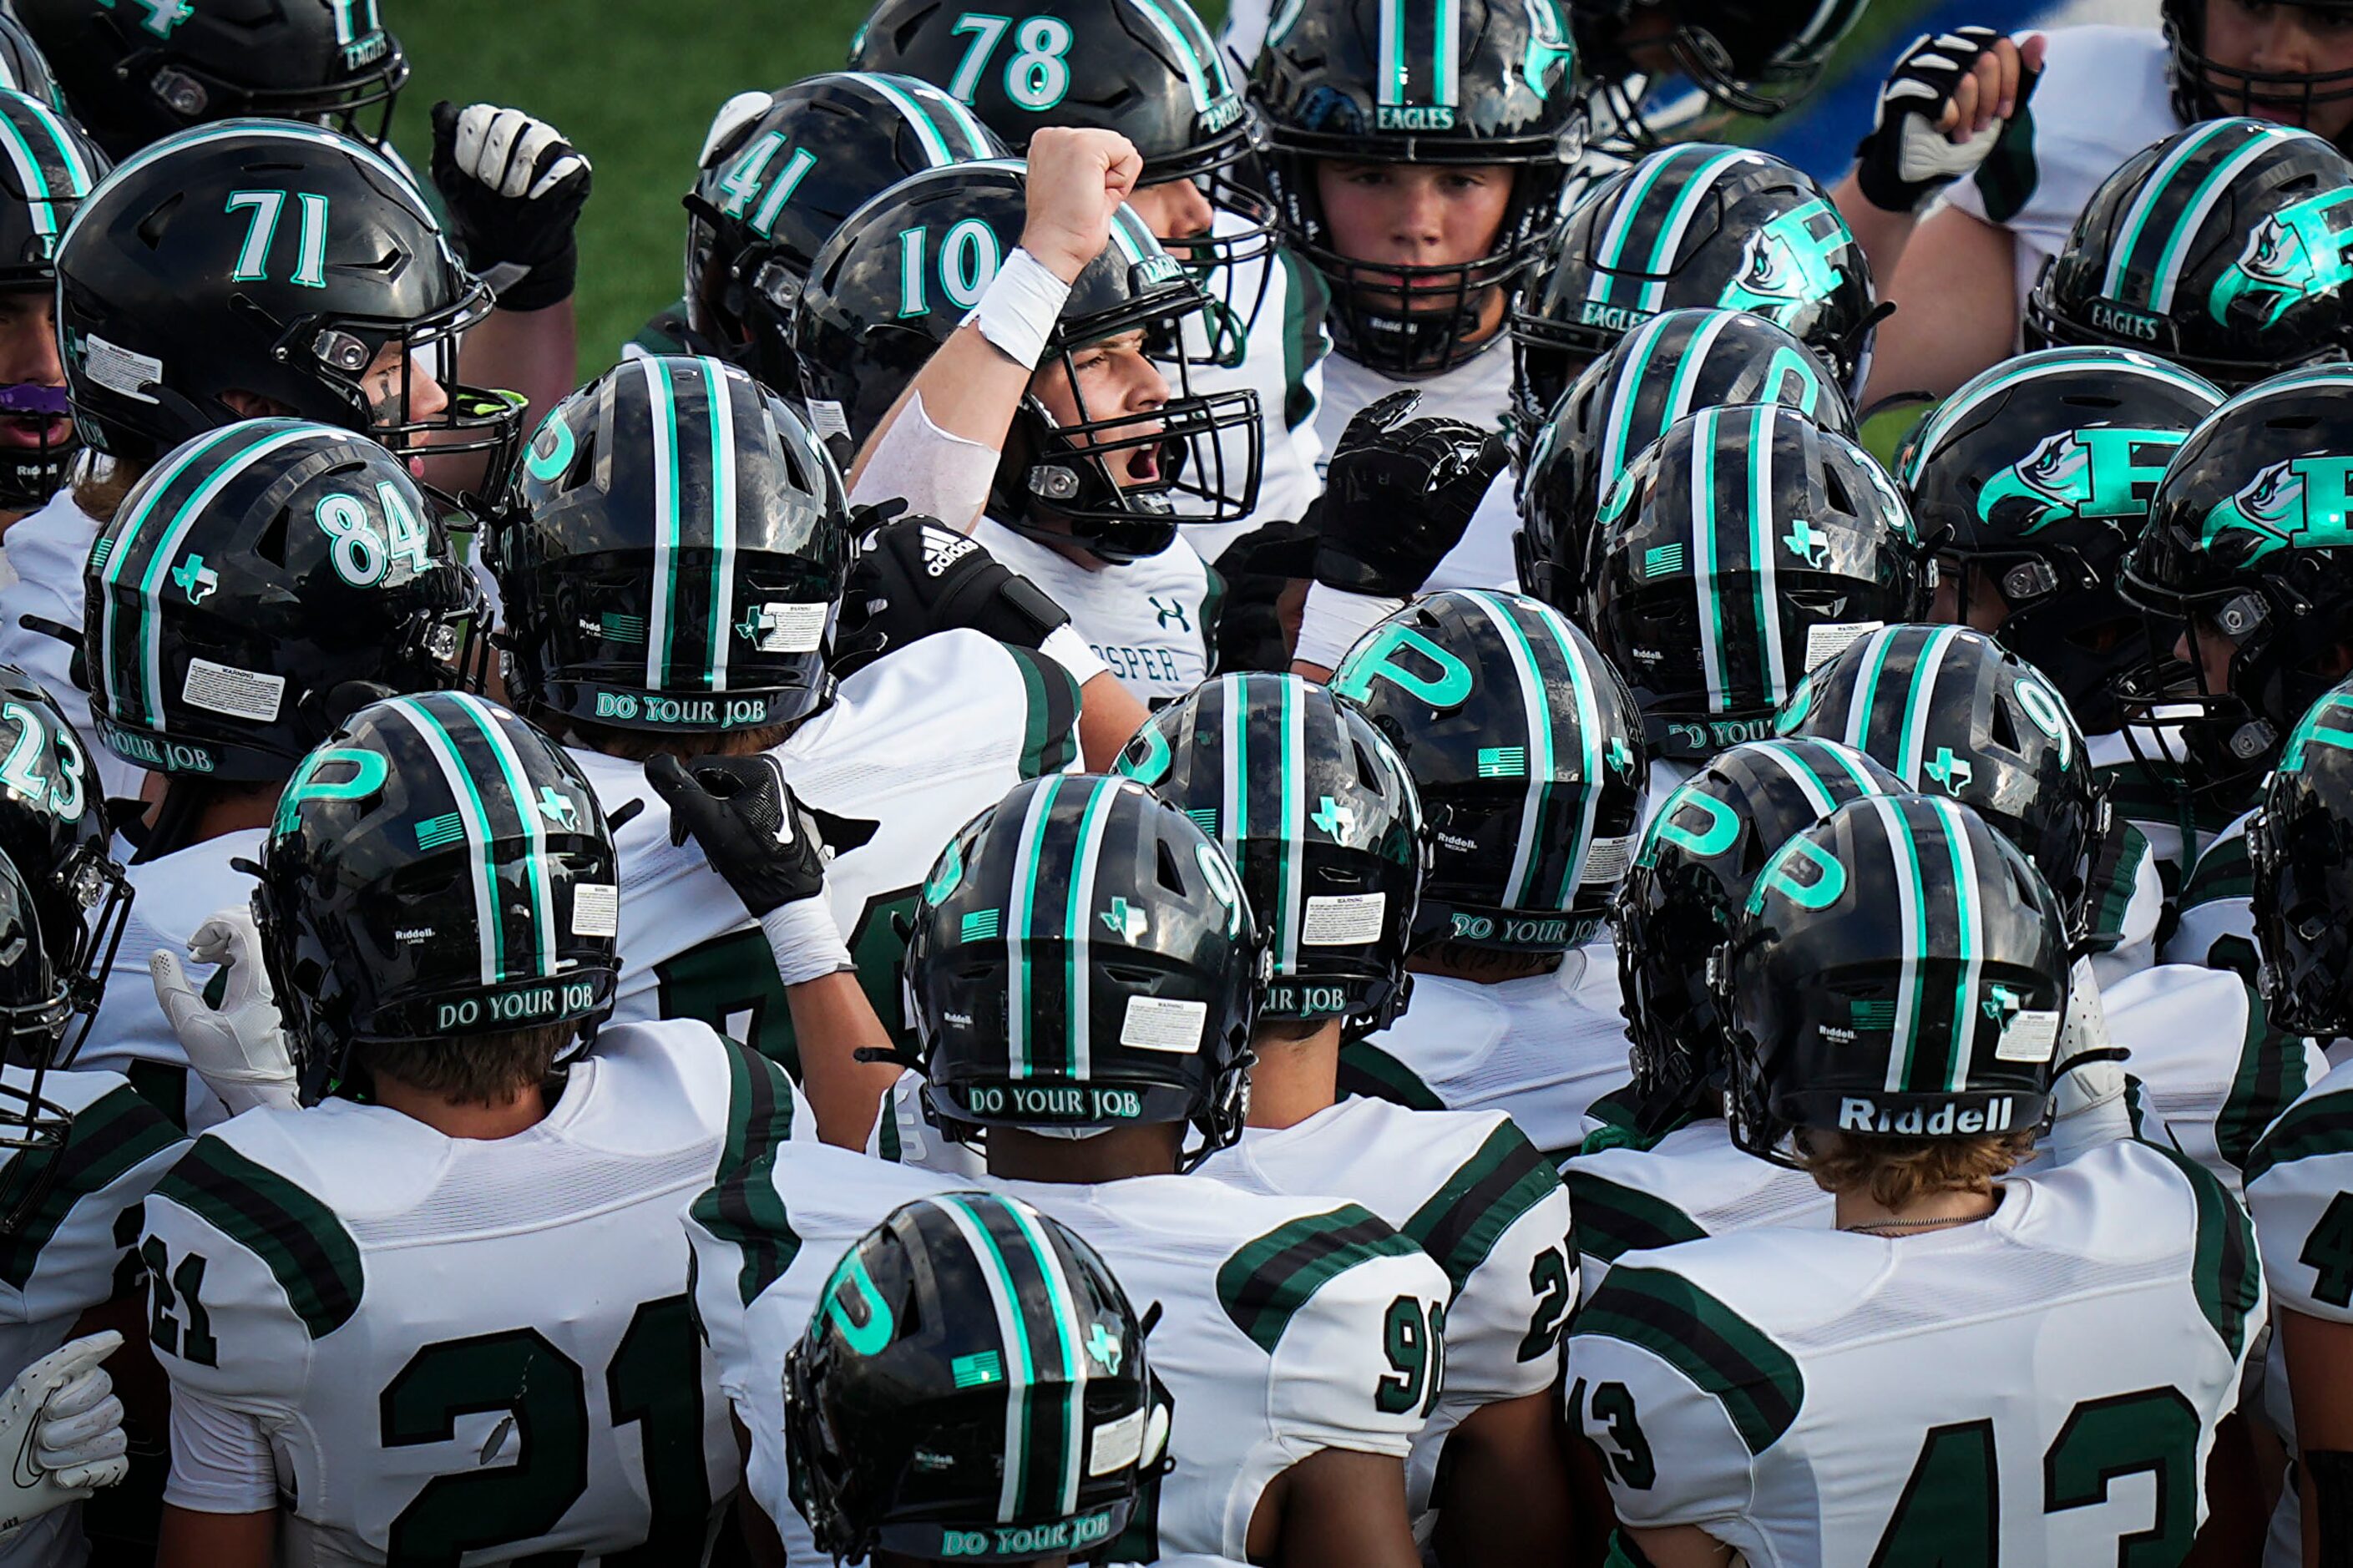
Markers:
point(1021, 306)
point(808, 945)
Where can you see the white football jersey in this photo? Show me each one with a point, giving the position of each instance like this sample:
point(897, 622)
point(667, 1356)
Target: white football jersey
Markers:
point(1280, 356)
point(1470, 1190)
point(1275, 1317)
point(1477, 392)
point(2103, 96)
point(172, 896)
point(1691, 1183)
point(913, 746)
point(1153, 621)
point(1541, 1048)
point(2131, 905)
point(1998, 1391)
point(2216, 923)
point(2175, 830)
point(47, 550)
point(375, 1298)
point(2300, 1188)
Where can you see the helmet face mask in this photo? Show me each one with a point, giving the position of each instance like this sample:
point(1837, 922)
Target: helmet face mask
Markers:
point(2205, 89)
point(2300, 842)
point(53, 169)
point(1747, 57)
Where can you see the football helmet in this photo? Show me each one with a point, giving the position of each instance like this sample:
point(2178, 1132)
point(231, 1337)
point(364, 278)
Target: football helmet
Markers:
point(1527, 752)
point(1320, 818)
point(24, 69)
point(54, 831)
point(258, 584)
point(2038, 474)
point(1698, 225)
point(774, 185)
point(37, 1004)
point(1371, 81)
point(1582, 438)
point(957, 1322)
point(136, 74)
point(1952, 713)
point(51, 168)
point(1082, 957)
point(2300, 842)
point(1699, 858)
point(270, 258)
point(2204, 90)
point(894, 283)
point(2224, 248)
point(436, 868)
point(1756, 57)
point(671, 555)
point(1898, 969)
point(2247, 542)
point(1743, 547)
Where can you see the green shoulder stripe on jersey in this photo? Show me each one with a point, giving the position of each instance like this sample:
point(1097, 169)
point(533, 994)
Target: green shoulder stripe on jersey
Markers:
point(1305, 345)
point(1368, 1070)
point(665, 332)
point(1049, 706)
point(110, 1136)
point(2007, 179)
point(2225, 1270)
point(1213, 605)
point(2270, 1079)
point(297, 1237)
point(1722, 1352)
point(1263, 1286)
point(2224, 870)
point(1613, 1220)
point(741, 1206)
point(1460, 1223)
point(2310, 1130)
point(2115, 873)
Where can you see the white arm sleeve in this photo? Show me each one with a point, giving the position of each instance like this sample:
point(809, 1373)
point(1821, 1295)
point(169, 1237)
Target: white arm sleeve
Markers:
point(221, 1461)
point(1066, 647)
point(1333, 620)
point(939, 475)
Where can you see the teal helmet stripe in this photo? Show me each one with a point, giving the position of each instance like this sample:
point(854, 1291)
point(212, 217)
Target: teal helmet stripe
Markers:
point(720, 401)
point(1535, 719)
point(1137, 243)
point(1396, 88)
point(1446, 50)
point(1189, 55)
point(1790, 760)
point(277, 437)
point(1864, 696)
point(2328, 377)
point(1630, 201)
point(2121, 364)
point(474, 819)
point(2171, 259)
point(1074, 1367)
point(1017, 926)
point(1911, 939)
point(1291, 777)
point(971, 139)
point(1919, 702)
point(1694, 360)
point(1763, 555)
point(1968, 942)
point(1078, 924)
point(1233, 820)
point(1583, 683)
point(527, 811)
point(927, 129)
point(1703, 562)
point(1618, 445)
point(1018, 1364)
point(403, 182)
point(79, 177)
point(1688, 202)
point(2153, 186)
point(40, 201)
point(661, 412)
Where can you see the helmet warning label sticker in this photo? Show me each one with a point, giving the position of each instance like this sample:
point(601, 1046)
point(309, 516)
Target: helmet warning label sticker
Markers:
point(240, 693)
point(118, 369)
point(1164, 1023)
point(1343, 920)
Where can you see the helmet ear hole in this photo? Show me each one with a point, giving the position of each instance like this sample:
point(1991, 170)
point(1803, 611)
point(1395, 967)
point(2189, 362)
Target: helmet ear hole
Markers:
point(2004, 728)
point(1171, 871)
point(1834, 488)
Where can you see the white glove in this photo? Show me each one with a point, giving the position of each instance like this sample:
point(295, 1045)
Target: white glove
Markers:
point(63, 1425)
point(239, 1049)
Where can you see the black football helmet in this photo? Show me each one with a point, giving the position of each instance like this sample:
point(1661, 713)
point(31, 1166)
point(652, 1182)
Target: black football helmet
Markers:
point(1582, 438)
point(1743, 548)
point(1898, 969)
point(271, 258)
point(1321, 819)
point(258, 584)
point(137, 73)
point(54, 830)
point(958, 1324)
point(2037, 475)
point(2249, 538)
point(2204, 90)
point(1699, 858)
point(2224, 248)
point(1952, 713)
point(774, 185)
point(24, 69)
point(1527, 752)
point(50, 166)
point(38, 1006)
point(436, 868)
point(1082, 957)
point(671, 555)
point(1471, 81)
point(1728, 227)
point(2300, 842)
point(1755, 58)
point(894, 283)
point(1146, 69)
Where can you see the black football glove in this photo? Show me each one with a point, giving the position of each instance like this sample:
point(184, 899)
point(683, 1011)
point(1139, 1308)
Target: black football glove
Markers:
point(514, 188)
point(743, 814)
point(1397, 495)
point(1906, 160)
point(916, 576)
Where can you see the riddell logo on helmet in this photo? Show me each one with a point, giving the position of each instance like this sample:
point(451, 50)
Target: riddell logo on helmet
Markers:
point(1857, 1115)
point(2134, 324)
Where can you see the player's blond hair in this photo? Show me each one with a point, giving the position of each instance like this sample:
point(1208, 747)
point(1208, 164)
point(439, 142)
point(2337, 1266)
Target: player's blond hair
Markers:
point(1900, 1172)
point(477, 1069)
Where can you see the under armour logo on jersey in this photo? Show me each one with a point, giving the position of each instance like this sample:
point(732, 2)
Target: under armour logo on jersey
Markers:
point(1954, 773)
point(1123, 920)
point(556, 808)
point(1168, 612)
point(1808, 543)
point(1103, 1345)
point(943, 548)
point(196, 579)
point(1333, 817)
